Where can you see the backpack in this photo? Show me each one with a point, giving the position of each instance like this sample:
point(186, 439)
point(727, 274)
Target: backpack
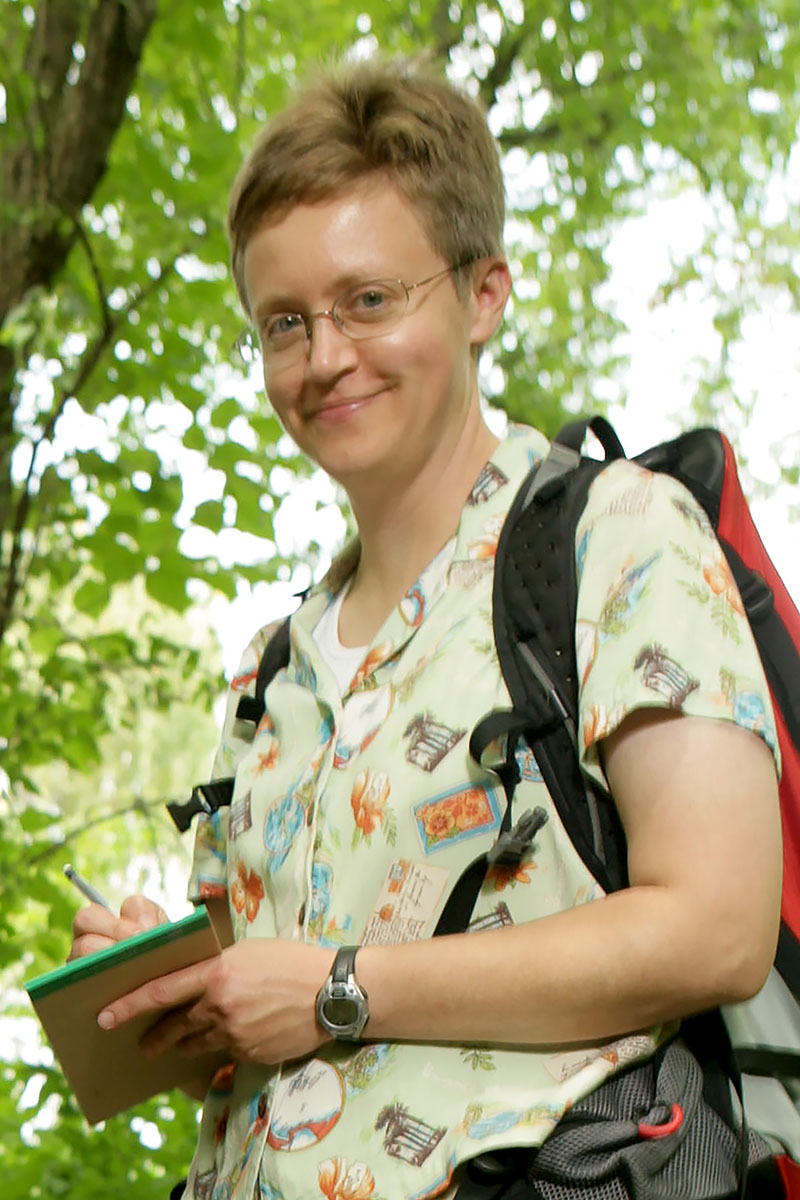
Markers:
point(534, 605)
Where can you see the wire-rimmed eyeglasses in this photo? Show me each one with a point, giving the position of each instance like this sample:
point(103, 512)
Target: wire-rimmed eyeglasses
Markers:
point(366, 310)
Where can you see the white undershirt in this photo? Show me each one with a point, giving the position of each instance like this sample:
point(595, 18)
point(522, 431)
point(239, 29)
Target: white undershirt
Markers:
point(344, 661)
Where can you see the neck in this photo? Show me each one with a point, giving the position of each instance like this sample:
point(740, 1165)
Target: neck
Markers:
point(403, 526)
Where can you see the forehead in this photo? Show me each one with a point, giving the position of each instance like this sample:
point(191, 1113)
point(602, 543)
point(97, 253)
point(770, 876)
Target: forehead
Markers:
point(310, 250)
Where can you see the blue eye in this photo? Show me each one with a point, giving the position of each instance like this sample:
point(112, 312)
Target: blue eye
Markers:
point(375, 301)
point(370, 298)
point(282, 326)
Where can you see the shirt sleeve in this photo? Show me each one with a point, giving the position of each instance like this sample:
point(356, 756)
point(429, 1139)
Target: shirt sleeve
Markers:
point(660, 622)
point(209, 874)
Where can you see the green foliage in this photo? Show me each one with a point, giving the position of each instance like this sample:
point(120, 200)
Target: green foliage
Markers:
point(111, 822)
point(129, 439)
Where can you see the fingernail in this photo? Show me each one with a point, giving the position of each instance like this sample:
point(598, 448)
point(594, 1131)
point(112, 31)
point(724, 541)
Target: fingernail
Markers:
point(106, 1019)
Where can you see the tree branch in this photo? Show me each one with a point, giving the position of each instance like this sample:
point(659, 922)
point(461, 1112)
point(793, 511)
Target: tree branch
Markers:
point(105, 313)
point(44, 186)
point(89, 361)
point(138, 805)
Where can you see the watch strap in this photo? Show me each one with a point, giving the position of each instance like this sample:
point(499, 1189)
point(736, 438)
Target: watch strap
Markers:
point(344, 964)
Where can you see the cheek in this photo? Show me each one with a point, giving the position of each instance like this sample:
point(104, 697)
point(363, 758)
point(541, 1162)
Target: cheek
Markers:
point(280, 392)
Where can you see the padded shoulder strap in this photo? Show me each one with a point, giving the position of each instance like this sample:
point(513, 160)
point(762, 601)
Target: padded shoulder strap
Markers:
point(535, 602)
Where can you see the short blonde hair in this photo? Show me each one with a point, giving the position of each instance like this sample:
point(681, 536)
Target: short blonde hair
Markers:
point(393, 118)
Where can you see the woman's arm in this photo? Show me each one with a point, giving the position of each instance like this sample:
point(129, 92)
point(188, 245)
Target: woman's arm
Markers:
point(696, 928)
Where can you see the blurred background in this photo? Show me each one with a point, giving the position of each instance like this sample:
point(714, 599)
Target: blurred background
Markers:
point(152, 515)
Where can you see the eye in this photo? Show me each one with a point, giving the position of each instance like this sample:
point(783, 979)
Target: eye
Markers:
point(369, 298)
point(377, 300)
point(282, 326)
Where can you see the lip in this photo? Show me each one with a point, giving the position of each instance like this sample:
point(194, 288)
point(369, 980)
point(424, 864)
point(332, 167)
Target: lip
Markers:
point(342, 407)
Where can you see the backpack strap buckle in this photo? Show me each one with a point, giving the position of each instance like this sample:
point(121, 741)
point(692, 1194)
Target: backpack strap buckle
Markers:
point(512, 845)
point(205, 798)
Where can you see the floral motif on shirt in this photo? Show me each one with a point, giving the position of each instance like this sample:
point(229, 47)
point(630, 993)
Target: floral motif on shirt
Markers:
point(376, 656)
point(266, 759)
point(454, 815)
point(242, 681)
point(340, 1180)
point(368, 802)
point(503, 875)
point(718, 588)
point(599, 721)
point(478, 1057)
point(247, 891)
point(485, 545)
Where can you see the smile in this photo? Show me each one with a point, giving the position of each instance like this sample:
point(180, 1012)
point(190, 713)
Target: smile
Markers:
point(341, 407)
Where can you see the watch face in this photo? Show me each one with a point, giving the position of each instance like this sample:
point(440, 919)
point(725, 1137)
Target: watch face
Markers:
point(340, 1011)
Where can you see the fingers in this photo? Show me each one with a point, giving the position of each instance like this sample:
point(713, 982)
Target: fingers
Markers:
point(89, 944)
point(95, 928)
point(144, 913)
point(185, 1028)
point(159, 995)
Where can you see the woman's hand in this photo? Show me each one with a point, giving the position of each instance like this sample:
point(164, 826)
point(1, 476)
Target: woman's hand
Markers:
point(256, 1000)
point(95, 928)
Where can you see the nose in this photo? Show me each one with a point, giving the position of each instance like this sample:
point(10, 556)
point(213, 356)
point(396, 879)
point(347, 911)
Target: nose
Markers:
point(330, 351)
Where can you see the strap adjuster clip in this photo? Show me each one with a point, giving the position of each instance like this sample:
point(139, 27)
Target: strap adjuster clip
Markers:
point(511, 845)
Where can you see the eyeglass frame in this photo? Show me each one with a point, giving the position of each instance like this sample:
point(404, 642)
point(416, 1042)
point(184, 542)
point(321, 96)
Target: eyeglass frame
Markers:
point(248, 335)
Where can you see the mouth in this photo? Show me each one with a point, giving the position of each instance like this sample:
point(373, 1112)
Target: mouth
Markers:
point(341, 406)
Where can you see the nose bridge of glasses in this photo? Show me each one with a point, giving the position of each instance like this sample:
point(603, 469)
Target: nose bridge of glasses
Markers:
point(320, 351)
point(331, 313)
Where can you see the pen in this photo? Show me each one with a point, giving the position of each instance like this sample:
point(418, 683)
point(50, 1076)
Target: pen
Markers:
point(83, 885)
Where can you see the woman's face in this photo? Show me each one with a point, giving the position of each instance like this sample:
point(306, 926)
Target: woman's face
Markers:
point(383, 408)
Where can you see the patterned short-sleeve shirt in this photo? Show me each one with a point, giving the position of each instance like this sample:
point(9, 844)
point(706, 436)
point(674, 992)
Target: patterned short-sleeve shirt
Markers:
point(353, 816)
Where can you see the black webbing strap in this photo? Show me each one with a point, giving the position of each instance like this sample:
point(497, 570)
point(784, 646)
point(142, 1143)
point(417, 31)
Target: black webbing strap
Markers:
point(274, 658)
point(779, 654)
point(574, 433)
point(209, 797)
point(509, 850)
point(768, 1062)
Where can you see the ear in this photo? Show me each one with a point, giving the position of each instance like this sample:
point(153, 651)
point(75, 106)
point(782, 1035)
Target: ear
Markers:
point(491, 285)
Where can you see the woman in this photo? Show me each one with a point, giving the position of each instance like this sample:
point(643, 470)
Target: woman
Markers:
point(366, 229)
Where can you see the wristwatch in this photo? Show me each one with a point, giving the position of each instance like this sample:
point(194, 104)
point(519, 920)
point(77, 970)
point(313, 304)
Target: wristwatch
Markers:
point(342, 1004)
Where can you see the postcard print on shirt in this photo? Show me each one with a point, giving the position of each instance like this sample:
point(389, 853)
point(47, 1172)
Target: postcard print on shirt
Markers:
point(405, 905)
point(457, 814)
point(307, 1104)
